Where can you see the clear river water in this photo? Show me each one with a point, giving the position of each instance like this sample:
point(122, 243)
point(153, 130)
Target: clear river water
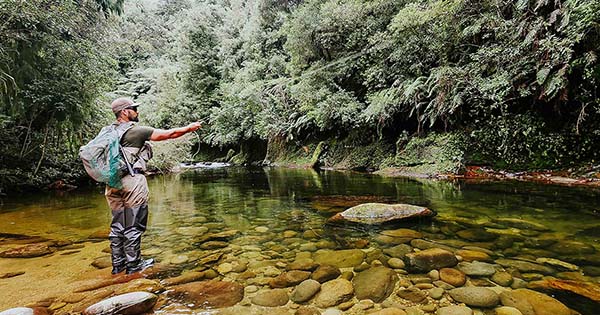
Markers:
point(278, 213)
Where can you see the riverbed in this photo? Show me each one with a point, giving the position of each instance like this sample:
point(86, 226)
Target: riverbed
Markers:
point(248, 225)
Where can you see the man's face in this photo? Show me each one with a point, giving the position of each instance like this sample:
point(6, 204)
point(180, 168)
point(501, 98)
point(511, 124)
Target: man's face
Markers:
point(132, 114)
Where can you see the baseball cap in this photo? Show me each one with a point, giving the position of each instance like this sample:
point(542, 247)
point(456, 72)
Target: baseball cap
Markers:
point(122, 103)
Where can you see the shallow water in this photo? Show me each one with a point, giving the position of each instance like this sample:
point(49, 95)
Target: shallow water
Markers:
point(262, 204)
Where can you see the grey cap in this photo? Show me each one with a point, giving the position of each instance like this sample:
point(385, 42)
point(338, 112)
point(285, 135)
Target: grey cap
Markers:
point(122, 103)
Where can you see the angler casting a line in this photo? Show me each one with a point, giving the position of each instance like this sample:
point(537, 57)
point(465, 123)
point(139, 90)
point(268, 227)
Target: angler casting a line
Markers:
point(129, 204)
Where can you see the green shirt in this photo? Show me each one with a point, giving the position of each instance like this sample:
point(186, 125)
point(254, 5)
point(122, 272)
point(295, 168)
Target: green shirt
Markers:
point(136, 136)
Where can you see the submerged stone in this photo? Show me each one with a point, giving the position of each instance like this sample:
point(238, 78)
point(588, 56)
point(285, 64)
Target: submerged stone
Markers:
point(475, 296)
point(525, 266)
point(271, 298)
point(210, 293)
point(340, 258)
point(305, 291)
point(429, 259)
point(334, 292)
point(530, 302)
point(28, 251)
point(375, 284)
point(377, 213)
point(521, 224)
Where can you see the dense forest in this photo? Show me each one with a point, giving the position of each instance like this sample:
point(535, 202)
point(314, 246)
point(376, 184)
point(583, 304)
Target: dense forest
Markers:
point(353, 84)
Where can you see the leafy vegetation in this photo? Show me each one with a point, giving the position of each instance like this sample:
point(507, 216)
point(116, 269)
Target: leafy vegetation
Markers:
point(514, 84)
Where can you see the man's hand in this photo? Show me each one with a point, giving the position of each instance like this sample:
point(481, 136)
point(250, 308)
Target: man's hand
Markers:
point(194, 126)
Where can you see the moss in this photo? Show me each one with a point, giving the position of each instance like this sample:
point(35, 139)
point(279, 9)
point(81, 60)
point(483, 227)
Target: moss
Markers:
point(433, 154)
point(319, 151)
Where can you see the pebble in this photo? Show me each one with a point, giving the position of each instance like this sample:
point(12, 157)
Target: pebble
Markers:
point(251, 289)
point(434, 275)
point(396, 263)
point(454, 310)
point(332, 311)
point(507, 310)
point(365, 304)
point(436, 293)
point(261, 229)
point(225, 268)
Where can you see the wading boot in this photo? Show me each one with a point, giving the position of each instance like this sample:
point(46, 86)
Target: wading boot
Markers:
point(141, 265)
point(118, 269)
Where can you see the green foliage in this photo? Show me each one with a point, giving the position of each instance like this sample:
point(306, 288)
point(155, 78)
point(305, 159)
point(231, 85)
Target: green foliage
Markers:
point(52, 71)
point(434, 154)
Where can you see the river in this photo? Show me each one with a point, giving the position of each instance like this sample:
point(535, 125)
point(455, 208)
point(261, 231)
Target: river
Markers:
point(278, 213)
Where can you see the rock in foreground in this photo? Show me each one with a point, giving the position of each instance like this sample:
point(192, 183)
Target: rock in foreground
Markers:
point(125, 304)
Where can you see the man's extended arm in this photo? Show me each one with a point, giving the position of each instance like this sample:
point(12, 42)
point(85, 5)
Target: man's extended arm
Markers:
point(160, 134)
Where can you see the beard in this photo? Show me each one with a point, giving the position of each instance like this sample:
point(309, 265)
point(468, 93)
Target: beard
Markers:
point(135, 119)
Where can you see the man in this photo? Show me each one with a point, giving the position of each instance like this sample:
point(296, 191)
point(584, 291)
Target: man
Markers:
point(129, 205)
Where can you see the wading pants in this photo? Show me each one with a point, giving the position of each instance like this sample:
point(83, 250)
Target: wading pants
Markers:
point(129, 218)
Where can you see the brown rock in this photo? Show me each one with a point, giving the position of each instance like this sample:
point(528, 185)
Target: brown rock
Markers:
point(585, 289)
point(102, 262)
point(325, 273)
point(412, 294)
point(429, 259)
point(375, 284)
point(28, 251)
point(530, 302)
point(271, 298)
point(334, 292)
point(472, 255)
point(210, 293)
point(288, 279)
point(340, 258)
point(184, 278)
point(453, 276)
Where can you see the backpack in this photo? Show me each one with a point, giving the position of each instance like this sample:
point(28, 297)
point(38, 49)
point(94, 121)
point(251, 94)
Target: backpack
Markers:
point(102, 158)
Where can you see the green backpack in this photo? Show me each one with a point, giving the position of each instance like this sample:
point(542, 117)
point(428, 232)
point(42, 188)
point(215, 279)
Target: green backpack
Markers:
point(102, 158)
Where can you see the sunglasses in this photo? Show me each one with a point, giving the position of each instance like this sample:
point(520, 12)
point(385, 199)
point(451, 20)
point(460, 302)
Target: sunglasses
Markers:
point(132, 108)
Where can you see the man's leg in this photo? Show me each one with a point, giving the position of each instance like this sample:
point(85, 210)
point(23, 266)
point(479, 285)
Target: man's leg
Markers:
point(136, 216)
point(117, 229)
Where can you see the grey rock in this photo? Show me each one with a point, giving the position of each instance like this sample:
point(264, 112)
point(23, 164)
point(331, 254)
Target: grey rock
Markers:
point(126, 304)
point(525, 266)
point(18, 311)
point(475, 296)
point(477, 269)
point(305, 291)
